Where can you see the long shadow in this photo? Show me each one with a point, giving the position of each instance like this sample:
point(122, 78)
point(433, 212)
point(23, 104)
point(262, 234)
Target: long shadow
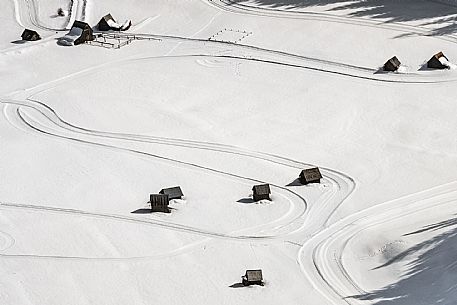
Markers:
point(431, 278)
point(142, 211)
point(296, 182)
point(237, 285)
point(442, 15)
point(246, 200)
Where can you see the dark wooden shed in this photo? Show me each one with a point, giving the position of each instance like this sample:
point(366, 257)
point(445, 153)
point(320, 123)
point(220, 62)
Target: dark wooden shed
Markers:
point(86, 35)
point(436, 61)
point(392, 64)
point(310, 175)
point(261, 191)
point(252, 277)
point(103, 24)
point(172, 192)
point(159, 203)
point(30, 35)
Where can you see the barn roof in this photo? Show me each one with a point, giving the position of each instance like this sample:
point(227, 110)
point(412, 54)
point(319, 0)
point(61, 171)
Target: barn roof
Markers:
point(395, 60)
point(261, 189)
point(173, 192)
point(108, 17)
point(311, 173)
point(392, 64)
point(439, 55)
point(28, 34)
point(80, 24)
point(28, 31)
point(161, 199)
point(254, 275)
point(438, 61)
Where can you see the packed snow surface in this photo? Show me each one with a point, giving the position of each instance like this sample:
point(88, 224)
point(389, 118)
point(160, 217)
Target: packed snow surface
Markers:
point(218, 96)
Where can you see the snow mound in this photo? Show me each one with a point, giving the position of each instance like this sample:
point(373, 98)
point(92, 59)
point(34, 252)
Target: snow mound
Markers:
point(119, 27)
point(443, 60)
point(402, 69)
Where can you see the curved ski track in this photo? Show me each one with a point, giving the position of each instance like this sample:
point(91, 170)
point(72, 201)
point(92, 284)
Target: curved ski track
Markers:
point(26, 12)
point(327, 247)
point(285, 226)
point(322, 269)
point(268, 56)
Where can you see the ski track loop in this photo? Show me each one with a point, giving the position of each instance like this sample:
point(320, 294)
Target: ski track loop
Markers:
point(26, 15)
point(54, 133)
point(340, 183)
point(6, 241)
point(280, 189)
point(55, 119)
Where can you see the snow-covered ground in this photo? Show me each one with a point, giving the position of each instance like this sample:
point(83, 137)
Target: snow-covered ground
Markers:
point(217, 96)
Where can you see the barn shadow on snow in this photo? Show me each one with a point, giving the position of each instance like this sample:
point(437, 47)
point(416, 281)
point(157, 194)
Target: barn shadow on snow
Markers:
point(247, 200)
point(296, 182)
point(424, 67)
point(430, 278)
point(20, 41)
point(142, 211)
point(444, 15)
point(237, 285)
point(149, 211)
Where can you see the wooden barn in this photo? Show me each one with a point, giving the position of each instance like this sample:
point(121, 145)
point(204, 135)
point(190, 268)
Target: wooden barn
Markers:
point(104, 23)
point(108, 23)
point(252, 277)
point(392, 64)
point(310, 175)
point(437, 61)
point(84, 31)
point(261, 191)
point(30, 35)
point(172, 192)
point(159, 203)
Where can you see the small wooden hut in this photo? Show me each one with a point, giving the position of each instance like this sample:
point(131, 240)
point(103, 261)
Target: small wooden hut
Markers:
point(108, 23)
point(261, 191)
point(172, 192)
point(310, 175)
point(159, 203)
point(86, 32)
point(105, 23)
point(392, 64)
point(252, 277)
point(30, 35)
point(437, 61)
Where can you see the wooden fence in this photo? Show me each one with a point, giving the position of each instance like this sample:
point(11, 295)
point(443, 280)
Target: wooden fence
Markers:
point(116, 41)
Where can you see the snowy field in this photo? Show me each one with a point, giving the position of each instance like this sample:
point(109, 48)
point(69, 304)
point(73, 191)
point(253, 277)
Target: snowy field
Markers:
point(217, 96)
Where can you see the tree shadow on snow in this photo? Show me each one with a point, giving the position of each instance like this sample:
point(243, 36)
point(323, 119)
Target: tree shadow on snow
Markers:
point(443, 15)
point(431, 278)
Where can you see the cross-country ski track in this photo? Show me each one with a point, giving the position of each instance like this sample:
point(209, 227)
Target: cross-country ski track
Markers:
point(321, 237)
